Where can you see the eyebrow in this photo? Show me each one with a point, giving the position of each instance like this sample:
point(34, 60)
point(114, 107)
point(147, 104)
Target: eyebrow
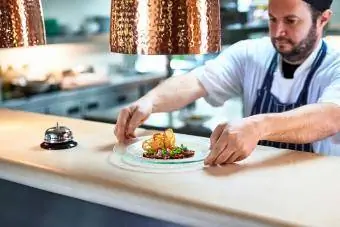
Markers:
point(292, 16)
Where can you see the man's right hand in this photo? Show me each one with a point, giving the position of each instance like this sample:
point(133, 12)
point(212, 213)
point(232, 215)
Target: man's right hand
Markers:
point(132, 117)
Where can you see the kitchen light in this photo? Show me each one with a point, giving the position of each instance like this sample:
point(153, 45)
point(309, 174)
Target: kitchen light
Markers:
point(21, 23)
point(165, 26)
point(147, 27)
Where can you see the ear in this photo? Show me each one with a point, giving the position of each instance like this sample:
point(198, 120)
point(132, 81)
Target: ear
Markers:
point(325, 17)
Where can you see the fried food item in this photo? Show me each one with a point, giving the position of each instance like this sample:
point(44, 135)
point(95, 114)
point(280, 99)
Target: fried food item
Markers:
point(147, 144)
point(163, 146)
point(158, 141)
point(169, 138)
point(161, 140)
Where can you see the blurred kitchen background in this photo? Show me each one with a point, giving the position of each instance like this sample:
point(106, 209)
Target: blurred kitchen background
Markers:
point(75, 75)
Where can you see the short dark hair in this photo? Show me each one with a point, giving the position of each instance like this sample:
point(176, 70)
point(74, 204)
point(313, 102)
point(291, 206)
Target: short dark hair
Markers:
point(315, 13)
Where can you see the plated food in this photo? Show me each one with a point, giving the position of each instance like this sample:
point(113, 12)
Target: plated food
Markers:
point(163, 146)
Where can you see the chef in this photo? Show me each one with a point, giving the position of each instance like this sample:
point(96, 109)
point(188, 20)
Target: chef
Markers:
point(289, 82)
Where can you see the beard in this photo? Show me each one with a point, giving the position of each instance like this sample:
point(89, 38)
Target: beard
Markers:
point(300, 50)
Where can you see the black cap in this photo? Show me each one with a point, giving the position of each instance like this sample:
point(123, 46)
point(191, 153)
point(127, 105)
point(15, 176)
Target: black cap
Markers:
point(320, 5)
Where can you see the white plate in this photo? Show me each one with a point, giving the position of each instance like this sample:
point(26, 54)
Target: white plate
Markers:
point(200, 146)
point(116, 160)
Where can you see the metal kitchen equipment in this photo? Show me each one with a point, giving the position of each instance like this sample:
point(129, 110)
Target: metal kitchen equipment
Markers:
point(58, 138)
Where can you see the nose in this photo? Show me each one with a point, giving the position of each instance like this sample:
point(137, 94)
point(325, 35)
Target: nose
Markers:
point(280, 30)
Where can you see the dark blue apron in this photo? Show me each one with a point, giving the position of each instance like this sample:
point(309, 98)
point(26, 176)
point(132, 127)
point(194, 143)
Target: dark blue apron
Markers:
point(266, 102)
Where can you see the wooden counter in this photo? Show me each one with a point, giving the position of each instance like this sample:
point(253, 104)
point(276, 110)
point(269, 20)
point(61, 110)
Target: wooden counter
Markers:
point(271, 188)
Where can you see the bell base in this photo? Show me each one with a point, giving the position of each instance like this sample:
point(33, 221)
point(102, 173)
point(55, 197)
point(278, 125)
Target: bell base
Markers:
point(58, 146)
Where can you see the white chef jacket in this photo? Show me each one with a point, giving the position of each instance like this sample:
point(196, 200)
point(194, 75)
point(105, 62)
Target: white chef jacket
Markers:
point(240, 70)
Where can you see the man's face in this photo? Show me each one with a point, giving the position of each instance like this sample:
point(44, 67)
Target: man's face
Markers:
point(292, 31)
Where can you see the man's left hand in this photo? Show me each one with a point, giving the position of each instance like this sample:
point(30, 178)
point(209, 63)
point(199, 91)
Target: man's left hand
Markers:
point(233, 142)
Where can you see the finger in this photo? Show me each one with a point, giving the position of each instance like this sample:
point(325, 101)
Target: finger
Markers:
point(240, 158)
point(137, 118)
point(232, 158)
point(213, 140)
point(129, 137)
point(223, 156)
point(210, 160)
point(216, 134)
point(121, 124)
point(132, 135)
point(217, 149)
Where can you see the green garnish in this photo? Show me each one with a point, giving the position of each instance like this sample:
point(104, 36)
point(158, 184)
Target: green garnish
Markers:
point(184, 148)
point(173, 152)
point(177, 150)
point(150, 151)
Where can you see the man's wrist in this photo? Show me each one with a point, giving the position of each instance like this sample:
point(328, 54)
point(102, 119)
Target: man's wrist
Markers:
point(262, 125)
point(151, 99)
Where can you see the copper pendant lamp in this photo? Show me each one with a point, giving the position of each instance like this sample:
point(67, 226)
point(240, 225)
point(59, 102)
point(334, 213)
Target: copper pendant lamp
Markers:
point(165, 26)
point(21, 23)
point(137, 26)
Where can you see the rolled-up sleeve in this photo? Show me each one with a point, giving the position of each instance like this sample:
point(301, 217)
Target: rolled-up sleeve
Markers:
point(331, 94)
point(222, 77)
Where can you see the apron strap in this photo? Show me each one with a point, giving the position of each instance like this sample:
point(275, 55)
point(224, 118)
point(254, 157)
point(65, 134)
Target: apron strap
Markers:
point(315, 66)
point(268, 80)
